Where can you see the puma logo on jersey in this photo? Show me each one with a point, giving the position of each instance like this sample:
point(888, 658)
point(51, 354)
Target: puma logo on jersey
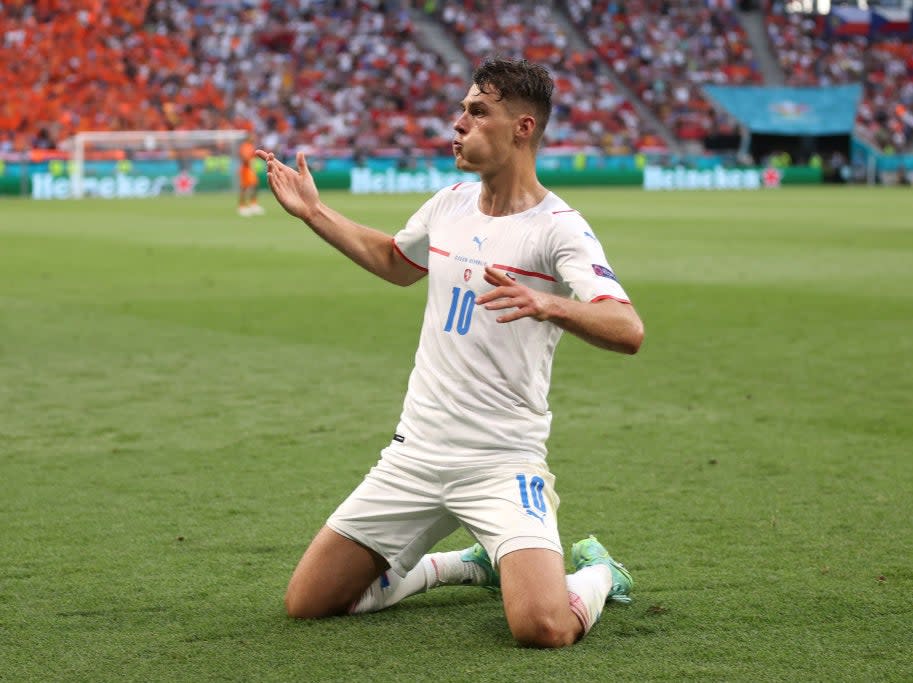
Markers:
point(479, 241)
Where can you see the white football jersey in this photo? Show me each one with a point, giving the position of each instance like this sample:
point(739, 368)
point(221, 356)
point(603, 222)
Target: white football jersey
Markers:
point(480, 387)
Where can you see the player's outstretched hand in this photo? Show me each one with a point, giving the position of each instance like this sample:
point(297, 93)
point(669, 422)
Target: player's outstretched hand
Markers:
point(295, 190)
point(508, 293)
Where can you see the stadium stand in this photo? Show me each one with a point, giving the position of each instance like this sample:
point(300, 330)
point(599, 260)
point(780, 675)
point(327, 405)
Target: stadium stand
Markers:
point(352, 76)
point(589, 109)
point(91, 66)
point(664, 51)
point(813, 52)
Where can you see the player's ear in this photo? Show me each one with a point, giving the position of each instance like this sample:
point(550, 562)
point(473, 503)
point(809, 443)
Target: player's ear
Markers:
point(525, 127)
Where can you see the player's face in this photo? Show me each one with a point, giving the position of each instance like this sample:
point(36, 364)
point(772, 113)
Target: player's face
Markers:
point(484, 131)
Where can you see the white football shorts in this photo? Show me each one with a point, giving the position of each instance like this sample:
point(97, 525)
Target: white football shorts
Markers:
point(405, 505)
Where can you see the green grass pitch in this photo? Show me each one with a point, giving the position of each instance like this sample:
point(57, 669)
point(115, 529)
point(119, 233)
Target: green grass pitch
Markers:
point(185, 395)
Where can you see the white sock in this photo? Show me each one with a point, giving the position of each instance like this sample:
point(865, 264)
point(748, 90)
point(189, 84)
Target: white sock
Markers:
point(587, 591)
point(389, 589)
point(449, 570)
point(432, 571)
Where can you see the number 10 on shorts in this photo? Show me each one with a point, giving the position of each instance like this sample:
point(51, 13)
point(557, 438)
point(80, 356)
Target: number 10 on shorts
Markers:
point(531, 496)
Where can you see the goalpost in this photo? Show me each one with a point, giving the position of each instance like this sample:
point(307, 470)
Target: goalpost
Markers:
point(180, 152)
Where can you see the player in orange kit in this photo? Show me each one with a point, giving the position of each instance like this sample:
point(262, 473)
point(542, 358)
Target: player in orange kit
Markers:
point(247, 202)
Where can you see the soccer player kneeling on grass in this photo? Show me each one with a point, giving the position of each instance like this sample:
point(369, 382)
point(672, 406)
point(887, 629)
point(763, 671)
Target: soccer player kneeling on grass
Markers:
point(510, 266)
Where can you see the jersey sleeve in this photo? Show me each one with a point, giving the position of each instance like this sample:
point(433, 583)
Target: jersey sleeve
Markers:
point(412, 241)
point(581, 262)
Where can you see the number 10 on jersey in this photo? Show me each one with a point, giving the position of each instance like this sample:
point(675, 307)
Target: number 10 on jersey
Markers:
point(465, 302)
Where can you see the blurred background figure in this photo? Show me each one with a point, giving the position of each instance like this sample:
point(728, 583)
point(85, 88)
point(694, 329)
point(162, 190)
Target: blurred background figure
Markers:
point(247, 200)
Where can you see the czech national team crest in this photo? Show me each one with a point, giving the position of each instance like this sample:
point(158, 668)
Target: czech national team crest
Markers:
point(467, 274)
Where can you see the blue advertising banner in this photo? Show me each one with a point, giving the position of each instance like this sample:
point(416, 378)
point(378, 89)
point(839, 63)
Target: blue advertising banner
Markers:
point(790, 111)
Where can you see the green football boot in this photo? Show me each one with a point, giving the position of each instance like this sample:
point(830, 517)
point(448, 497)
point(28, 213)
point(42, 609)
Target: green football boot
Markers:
point(477, 555)
point(588, 552)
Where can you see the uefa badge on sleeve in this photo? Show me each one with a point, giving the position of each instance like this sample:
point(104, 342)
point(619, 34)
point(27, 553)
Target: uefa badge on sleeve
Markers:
point(604, 271)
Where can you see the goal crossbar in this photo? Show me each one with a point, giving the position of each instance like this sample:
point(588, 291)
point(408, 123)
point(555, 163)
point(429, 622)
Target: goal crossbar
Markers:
point(145, 140)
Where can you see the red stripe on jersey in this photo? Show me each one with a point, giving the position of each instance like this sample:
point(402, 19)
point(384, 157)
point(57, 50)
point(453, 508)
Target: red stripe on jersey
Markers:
point(439, 251)
point(408, 260)
point(518, 271)
point(566, 211)
point(456, 186)
point(609, 296)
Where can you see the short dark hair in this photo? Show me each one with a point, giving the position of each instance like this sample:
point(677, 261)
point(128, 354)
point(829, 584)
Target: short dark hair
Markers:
point(518, 79)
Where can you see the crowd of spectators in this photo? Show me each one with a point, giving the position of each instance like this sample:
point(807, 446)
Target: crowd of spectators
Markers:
point(69, 65)
point(589, 112)
point(356, 76)
point(666, 50)
point(337, 75)
point(810, 55)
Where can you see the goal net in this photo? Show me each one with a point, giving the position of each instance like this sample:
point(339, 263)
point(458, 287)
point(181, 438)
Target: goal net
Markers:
point(145, 163)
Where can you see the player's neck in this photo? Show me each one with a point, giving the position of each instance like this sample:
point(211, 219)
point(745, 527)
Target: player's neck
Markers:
point(510, 193)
